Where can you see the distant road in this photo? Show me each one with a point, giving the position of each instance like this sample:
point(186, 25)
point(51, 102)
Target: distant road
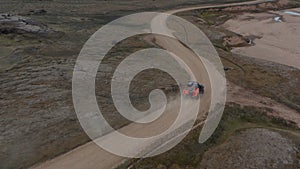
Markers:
point(90, 156)
point(218, 6)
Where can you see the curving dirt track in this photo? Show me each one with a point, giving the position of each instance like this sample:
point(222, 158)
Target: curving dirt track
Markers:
point(90, 156)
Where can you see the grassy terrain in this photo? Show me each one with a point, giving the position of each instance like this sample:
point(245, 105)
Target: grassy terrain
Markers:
point(272, 80)
point(189, 153)
point(37, 118)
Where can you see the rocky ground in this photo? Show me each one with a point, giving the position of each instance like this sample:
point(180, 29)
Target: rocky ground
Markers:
point(244, 134)
point(259, 136)
point(253, 148)
point(39, 43)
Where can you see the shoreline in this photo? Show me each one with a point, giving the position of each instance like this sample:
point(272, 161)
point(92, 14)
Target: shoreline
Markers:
point(277, 37)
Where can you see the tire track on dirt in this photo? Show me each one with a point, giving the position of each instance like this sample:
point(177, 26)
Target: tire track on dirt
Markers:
point(90, 156)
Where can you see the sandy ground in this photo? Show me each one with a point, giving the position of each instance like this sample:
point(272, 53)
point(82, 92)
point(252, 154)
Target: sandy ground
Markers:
point(90, 156)
point(277, 41)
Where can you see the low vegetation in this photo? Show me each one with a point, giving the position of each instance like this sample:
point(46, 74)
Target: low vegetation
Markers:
point(189, 153)
point(267, 79)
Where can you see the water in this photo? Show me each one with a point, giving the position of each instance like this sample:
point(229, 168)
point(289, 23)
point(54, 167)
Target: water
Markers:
point(292, 13)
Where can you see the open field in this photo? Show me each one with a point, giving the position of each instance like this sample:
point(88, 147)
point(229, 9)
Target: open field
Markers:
point(263, 82)
point(38, 121)
point(37, 117)
point(190, 154)
point(265, 78)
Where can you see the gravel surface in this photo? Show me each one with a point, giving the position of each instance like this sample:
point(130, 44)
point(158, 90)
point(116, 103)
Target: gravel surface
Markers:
point(253, 148)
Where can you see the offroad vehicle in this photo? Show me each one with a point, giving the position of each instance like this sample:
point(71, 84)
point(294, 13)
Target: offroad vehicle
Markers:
point(193, 90)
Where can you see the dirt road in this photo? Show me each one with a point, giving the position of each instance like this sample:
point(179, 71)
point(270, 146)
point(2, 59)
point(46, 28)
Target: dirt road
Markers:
point(90, 156)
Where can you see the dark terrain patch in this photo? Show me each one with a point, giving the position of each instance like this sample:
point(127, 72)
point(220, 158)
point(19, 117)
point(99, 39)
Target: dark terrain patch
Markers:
point(253, 148)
